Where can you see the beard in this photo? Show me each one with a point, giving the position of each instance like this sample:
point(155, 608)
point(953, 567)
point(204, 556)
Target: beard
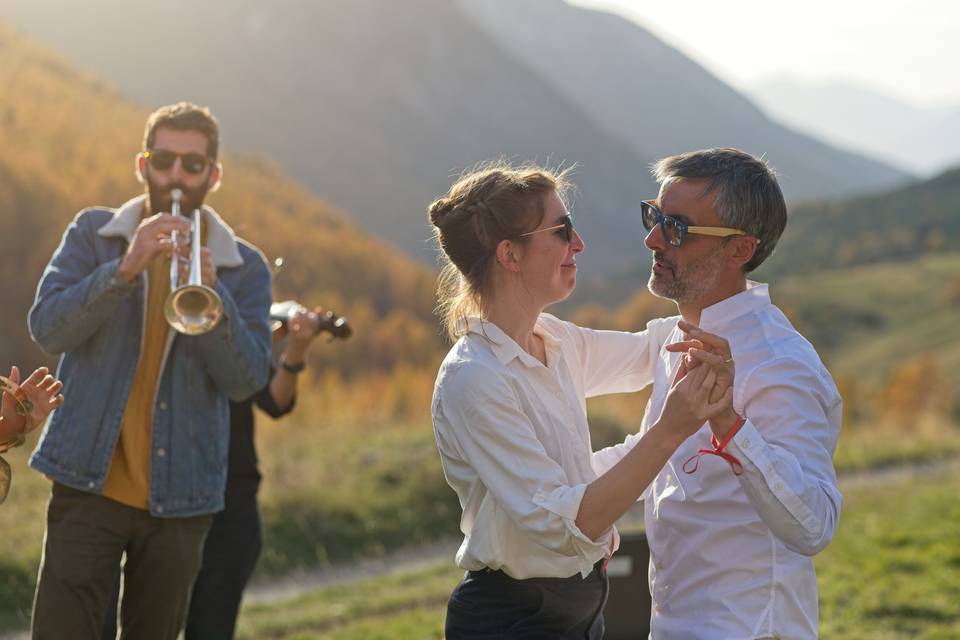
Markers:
point(160, 200)
point(687, 284)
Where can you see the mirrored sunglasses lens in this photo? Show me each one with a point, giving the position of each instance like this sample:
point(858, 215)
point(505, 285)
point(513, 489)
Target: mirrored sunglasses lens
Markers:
point(647, 216)
point(162, 160)
point(567, 229)
point(671, 230)
point(193, 163)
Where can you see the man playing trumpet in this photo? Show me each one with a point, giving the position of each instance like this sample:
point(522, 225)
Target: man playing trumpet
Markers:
point(138, 451)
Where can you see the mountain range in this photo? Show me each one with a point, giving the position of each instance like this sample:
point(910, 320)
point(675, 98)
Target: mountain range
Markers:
point(69, 143)
point(921, 139)
point(378, 106)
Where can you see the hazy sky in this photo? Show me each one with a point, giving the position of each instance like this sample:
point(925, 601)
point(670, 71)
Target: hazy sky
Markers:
point(906, 49)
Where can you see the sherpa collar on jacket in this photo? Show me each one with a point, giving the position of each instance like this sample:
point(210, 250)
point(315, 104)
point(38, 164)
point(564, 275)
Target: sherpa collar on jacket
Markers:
point(221, 240)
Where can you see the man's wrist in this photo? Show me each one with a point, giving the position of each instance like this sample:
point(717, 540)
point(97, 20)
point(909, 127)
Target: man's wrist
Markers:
point(721, 425)
point(126, 271)
point(293, 365)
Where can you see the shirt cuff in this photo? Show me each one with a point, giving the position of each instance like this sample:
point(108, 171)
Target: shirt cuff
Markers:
point(565, 503)
point(751, 446)
point(114, 284)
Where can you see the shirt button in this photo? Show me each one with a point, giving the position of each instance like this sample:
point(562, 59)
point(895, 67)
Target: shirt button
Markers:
point(746, 443)
point(90, 484)
point(163, 406)
point(161, 453)
point(778, 486)
point(160, 509)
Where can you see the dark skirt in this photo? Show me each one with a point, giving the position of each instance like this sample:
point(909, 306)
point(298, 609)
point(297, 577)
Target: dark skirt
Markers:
point(492, 605)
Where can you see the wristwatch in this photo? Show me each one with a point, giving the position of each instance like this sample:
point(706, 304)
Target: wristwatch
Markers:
point(291, 368)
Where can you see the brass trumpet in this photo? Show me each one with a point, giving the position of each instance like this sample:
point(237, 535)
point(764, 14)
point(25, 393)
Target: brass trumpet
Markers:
point(191, 308)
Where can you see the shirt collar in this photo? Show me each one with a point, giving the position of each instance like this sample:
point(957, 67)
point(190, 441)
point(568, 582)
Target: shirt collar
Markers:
point(755, 297)
point(221, 240)
point(506, 348)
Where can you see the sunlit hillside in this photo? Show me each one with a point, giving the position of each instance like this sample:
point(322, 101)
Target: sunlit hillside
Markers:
point(375, 105)
point(69, 142)
point(894, 225)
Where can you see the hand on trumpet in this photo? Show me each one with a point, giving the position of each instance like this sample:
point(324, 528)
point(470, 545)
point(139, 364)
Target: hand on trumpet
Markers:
point(152, 238)
point(208, 273)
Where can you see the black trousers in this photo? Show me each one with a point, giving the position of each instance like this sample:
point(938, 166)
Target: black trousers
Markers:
point(229, 558)
point(491, 605)
point(86, 536)
point(230, 555)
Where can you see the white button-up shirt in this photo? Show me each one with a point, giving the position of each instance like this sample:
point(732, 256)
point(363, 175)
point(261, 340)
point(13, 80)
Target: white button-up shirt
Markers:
point(730, 555)
point(514, 442)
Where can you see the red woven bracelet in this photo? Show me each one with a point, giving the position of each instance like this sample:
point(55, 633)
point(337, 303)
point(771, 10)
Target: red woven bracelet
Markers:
point(693, 462)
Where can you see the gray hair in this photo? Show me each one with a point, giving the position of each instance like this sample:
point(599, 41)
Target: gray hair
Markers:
point(746, 193)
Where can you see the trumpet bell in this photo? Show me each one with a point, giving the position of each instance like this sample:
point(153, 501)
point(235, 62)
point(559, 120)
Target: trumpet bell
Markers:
point(193, 309)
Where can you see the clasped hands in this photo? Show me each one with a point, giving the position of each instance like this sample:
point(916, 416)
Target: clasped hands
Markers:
point(703, 388)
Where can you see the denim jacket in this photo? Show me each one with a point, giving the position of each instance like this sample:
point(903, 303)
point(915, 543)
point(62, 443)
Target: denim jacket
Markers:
point(95, 321)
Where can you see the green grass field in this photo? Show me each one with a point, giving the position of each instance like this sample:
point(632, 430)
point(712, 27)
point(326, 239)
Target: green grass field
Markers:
point(866, 320)
point(336, 494)
point(892, 572)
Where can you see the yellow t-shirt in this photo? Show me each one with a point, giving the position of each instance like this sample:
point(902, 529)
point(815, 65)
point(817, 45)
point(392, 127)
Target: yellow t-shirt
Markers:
point(128, 479)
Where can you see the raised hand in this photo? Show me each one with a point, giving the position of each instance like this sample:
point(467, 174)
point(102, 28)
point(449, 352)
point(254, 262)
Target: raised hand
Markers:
point(25, 405)
point(302, 328)
point(152, 238)
point(689, 405)
point(702, 347)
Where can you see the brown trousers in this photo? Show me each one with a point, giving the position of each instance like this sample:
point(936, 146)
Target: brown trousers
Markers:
point(86, 537)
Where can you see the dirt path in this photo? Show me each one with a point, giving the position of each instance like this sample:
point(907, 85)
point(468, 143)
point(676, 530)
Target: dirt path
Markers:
point(294, 585)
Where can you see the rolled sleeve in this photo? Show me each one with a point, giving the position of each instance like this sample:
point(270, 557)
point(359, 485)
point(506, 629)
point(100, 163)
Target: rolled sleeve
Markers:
point(565, 503)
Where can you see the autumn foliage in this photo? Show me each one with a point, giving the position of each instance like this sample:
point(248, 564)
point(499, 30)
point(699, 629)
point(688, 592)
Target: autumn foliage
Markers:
point(69, 142)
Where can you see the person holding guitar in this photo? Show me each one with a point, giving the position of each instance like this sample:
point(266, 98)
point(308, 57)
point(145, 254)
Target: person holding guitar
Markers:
point(234, 542)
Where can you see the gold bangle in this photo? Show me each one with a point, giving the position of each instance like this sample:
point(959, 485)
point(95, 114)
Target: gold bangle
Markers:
point(13, 442)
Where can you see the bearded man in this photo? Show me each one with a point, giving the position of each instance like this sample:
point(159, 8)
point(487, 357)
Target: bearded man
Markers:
point(138, 451)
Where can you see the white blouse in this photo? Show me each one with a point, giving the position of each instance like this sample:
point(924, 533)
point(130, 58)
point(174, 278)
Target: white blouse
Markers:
point(514, 442)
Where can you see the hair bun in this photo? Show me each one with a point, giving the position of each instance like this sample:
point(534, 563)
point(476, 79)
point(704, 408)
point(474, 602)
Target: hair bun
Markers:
point(439, 210)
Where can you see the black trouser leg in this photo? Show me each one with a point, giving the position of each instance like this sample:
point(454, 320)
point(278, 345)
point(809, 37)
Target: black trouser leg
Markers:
point(229, 557)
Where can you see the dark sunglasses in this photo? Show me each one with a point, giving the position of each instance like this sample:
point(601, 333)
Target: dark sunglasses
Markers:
point(162, 160)
point(674, 230)
point(564, 230)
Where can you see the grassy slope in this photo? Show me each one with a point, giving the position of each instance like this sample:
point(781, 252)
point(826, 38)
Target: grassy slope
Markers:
point(892, 572)
point(864, 320)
